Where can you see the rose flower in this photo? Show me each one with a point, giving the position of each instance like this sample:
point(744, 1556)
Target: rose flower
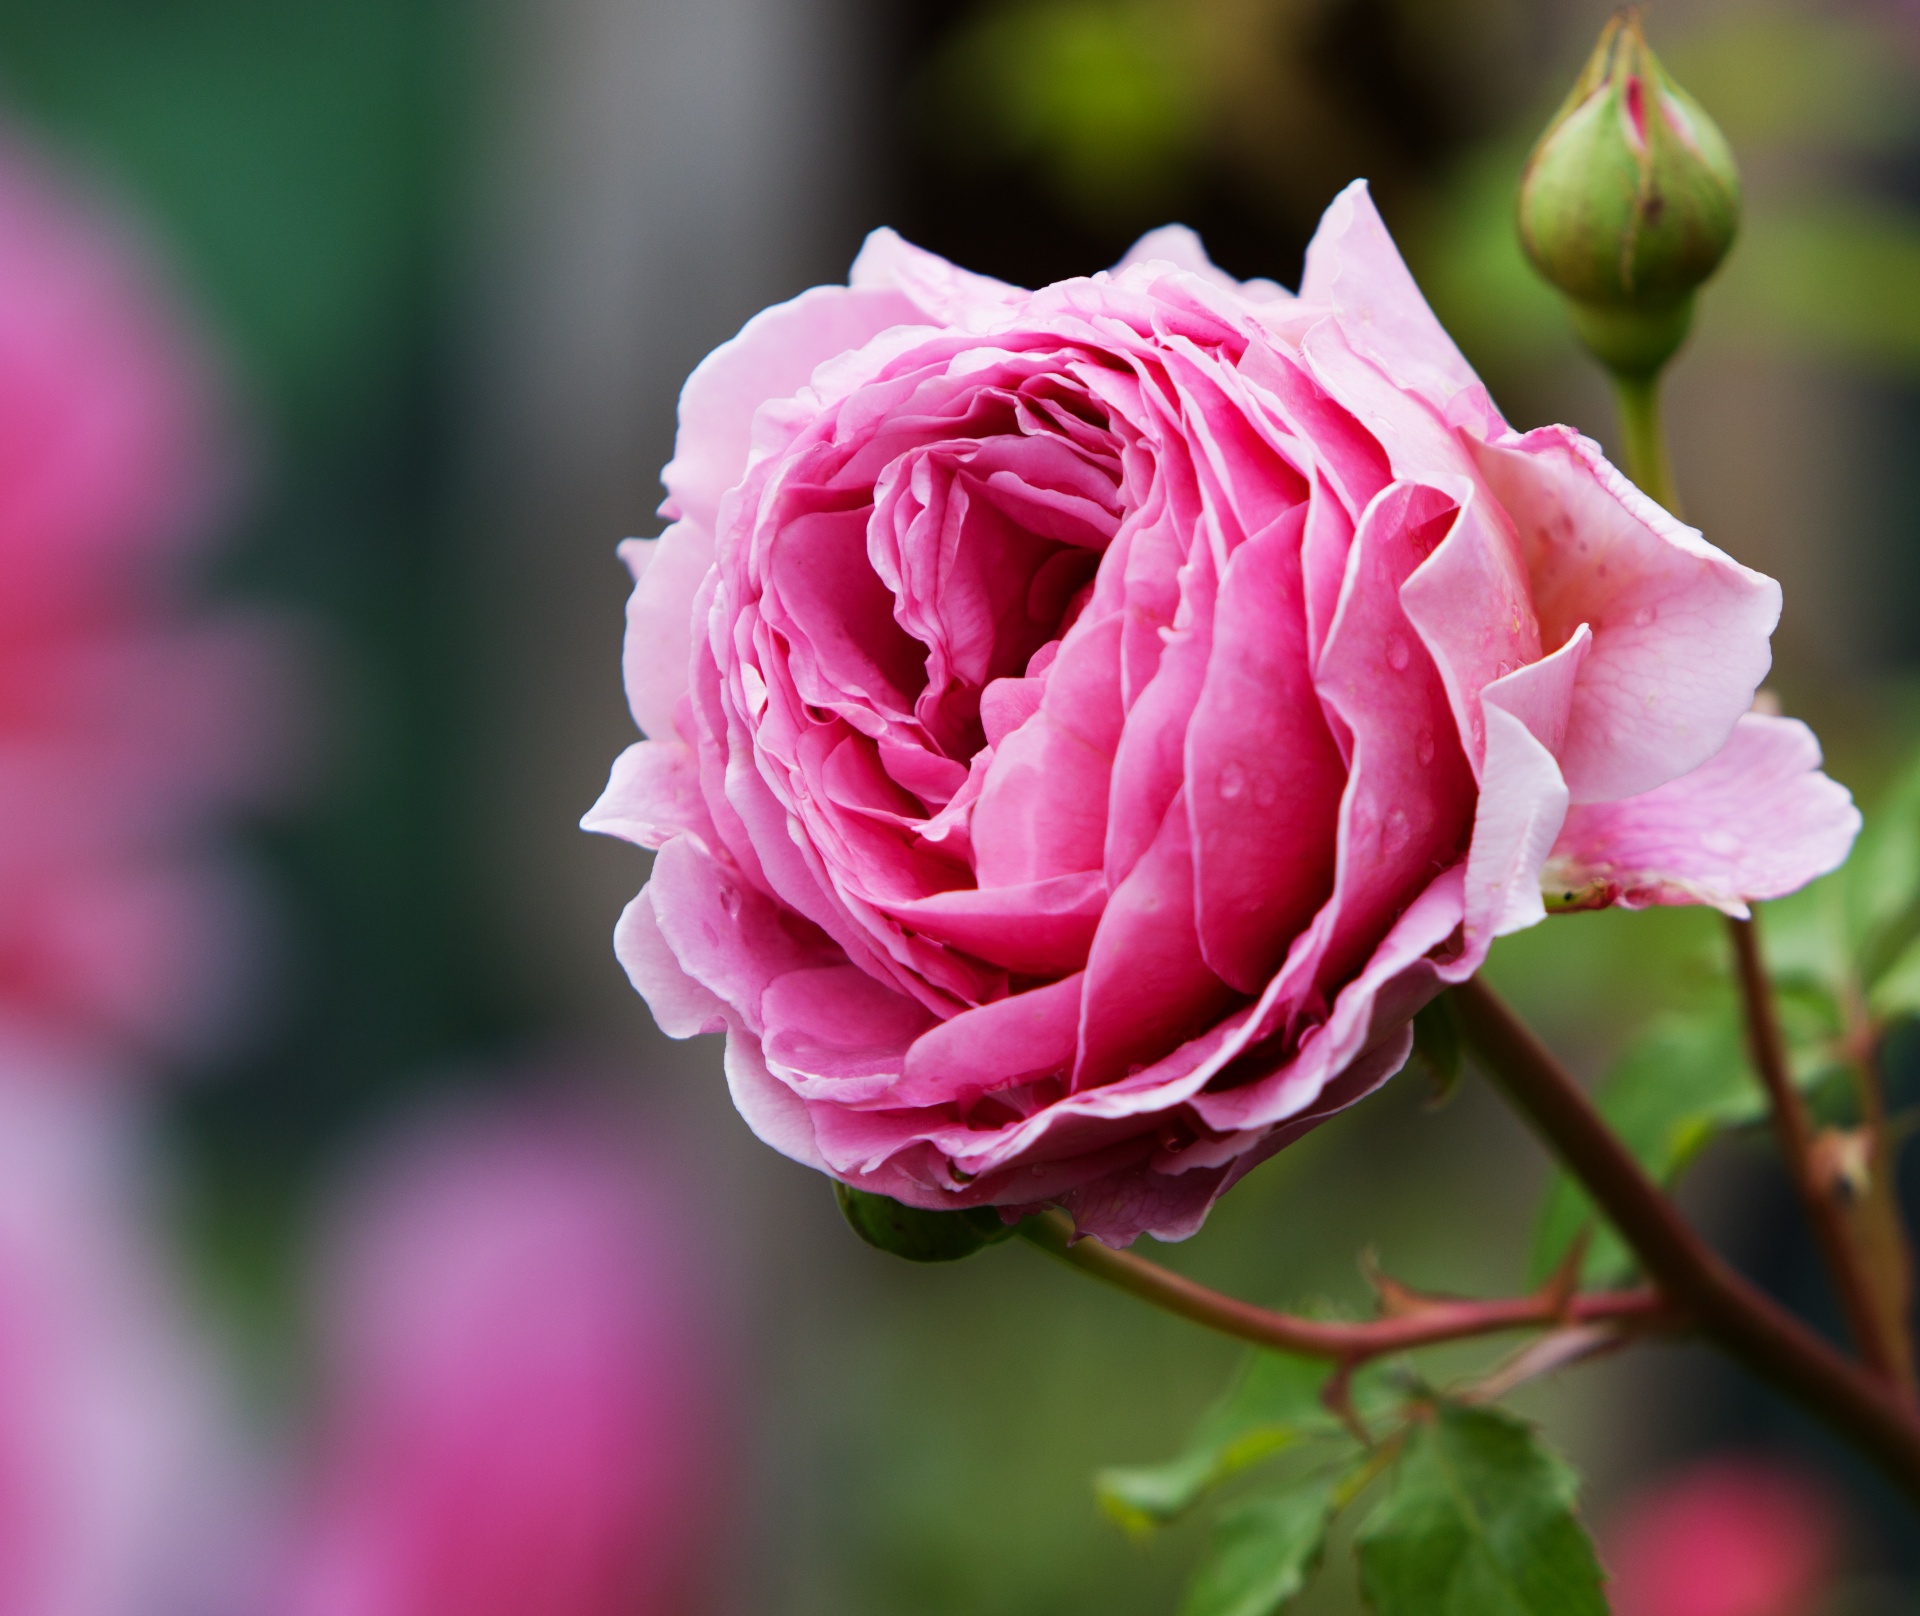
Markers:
point(1085, 725)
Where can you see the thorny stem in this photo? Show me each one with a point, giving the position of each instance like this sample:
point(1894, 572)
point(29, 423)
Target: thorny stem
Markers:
point(1793, 1129)
point(1427, 1322)
point(1695, 1280)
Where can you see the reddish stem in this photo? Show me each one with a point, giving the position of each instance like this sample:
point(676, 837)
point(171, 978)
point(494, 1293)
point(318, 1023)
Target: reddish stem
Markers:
point(1726, 1308)
point(1794, 1130)
point(1432, 1320)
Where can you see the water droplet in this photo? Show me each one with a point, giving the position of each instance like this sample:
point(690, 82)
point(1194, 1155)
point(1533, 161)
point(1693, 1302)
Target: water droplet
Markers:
point(1644, 616)
point(1398, 655)
point(1423, 748)
point(1233, 781)
point(730, 901)
point(1394, 834)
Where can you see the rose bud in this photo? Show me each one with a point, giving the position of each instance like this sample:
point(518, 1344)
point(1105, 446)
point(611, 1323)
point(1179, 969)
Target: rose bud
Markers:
point(916, 1234)
point(1085, 726)
point(1629, 202)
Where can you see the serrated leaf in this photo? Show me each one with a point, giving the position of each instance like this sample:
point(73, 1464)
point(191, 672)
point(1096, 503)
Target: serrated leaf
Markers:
point(1262, 1551)
point(1478, 1521)
point(1274, 1405)
point(1684, 1080)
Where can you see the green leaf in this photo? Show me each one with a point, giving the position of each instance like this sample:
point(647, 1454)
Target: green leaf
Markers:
point(1684, 1080)
point(1478, 1522)
point(1262, 1551)
point(1274, 1405)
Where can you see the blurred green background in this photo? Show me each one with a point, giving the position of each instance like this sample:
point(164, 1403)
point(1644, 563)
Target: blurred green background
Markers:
point(460, 256)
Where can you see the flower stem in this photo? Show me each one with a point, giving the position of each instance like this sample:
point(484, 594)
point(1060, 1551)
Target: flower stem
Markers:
point(1866, 1320)
point(1695, 1280)
point(1430, 1320)
point(1636, 400)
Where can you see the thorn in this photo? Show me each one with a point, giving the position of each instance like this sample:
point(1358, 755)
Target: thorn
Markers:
point(1337, 1397)
point(1563, 1284)
point(1397, 1301)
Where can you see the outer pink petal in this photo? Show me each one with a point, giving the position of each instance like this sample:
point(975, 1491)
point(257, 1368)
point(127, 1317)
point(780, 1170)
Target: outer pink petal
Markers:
point(1523, 799)
point(1354, 267)
point(667, 575)
point(773, 357)
point(1758, 820)
point(728, 936)
point(1177, 245)
point(681, 1007)
point(652, 796)
point(940, 291)
point(777, 1116)
point(1679, 629)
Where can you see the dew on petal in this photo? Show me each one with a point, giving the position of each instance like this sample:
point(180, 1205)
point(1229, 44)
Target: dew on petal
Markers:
point(1398, 655)
point(1233, 781)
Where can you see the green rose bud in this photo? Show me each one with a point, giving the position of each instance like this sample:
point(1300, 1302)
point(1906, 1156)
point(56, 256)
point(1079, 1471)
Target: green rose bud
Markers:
point(1629, 202)
point(919, 1236)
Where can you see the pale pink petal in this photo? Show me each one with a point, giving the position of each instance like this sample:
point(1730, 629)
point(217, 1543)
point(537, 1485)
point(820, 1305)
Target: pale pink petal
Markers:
point(652, 796)
point(777, 1116)
point(661, 627)
point(1679, 629)
point(728, 936)
point(681, 1007)
point(940, 291)
point(772, 358)
point(1757, 820)
point(1353, 266)
point(1523, 799)
point(1177, 245)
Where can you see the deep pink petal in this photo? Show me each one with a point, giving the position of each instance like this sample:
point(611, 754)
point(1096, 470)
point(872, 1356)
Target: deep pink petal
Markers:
point(1040, 928)
point(1148, 988)
point(1263, 774)
point(834, 1033)
point(1757, 820)
point(1023, 1036)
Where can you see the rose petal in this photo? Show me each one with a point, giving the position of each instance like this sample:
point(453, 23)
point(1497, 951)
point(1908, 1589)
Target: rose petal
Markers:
point(652, 795)
point(1757, 820)
point(681, 1007)
point(1679, 629)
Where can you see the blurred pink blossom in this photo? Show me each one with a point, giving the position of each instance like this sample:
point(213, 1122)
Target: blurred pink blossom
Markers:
point(521, 1391)
point(1729, 1537)
point(120, 1472)
point(129, 719)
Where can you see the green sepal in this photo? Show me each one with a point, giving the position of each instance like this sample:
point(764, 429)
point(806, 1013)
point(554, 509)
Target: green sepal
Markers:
point(916, 1234)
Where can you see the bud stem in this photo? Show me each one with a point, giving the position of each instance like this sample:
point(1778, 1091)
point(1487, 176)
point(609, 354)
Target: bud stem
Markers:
point(1636, 400)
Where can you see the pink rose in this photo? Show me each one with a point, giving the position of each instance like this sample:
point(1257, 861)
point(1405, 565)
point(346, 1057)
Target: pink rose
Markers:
point(1086, 724)
point(1728, 1537)
point(523, 1401)
point(122, 1476)
point(129, 723)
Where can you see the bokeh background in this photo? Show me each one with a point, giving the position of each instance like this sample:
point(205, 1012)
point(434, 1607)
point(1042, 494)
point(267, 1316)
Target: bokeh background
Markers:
point(446, 263)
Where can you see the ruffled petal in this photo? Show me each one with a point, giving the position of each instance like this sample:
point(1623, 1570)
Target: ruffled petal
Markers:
point(1758, 820)
point(1680, 629)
